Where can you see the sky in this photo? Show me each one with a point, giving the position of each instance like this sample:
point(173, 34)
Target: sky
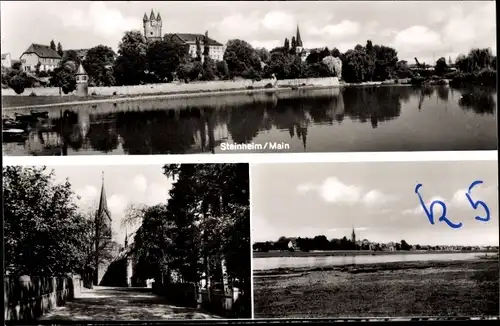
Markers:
point(427, 30)
point(124, 185)
point(377, 199)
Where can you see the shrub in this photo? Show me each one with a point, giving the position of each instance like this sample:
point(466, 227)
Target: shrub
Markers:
point(249, 87)
point(17, 83)
point(33, 94)
point(417, 80)
point(114, 93)
point(93, 93)
point(268, 85)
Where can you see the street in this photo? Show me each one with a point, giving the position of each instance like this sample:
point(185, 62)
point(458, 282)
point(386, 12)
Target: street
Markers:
point(115, 303)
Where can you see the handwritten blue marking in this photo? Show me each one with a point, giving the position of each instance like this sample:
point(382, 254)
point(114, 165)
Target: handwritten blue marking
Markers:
point(430, 212)
point(476, 204)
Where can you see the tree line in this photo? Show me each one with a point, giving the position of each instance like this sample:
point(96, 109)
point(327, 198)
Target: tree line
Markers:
point(45, 233)
point(142, 61)
point(203, 228)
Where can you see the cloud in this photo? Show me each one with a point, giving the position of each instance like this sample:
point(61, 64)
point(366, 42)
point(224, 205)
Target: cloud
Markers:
point(101, 19)
point(157, 194)
point(269, 44)
point(140, 183)
point(419, 210)
point(238, 25)
point(332, 190)
point(117, 204)
point(417, 38)
point(344, 29)
point(279, 21)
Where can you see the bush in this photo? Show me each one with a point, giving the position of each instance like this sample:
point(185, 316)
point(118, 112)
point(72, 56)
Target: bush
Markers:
point(268, 85)
point(33, 94)
point(93, 93)
point(417, 80)
point(17, 83)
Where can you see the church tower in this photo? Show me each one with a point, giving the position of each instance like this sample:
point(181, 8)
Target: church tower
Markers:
point(298, 41)
point(353, 236)
point(152, 26)
point(103, 234)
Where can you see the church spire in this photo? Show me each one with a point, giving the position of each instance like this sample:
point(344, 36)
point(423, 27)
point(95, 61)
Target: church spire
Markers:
point(126, 238)
point(152, 16)
point(353, 235)
point(298, 39)
point(103, 203)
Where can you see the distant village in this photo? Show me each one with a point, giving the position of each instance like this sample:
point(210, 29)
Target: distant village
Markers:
point(321, 243)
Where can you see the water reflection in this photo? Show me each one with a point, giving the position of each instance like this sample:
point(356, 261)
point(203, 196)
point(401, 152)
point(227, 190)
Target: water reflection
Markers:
point(399, 118)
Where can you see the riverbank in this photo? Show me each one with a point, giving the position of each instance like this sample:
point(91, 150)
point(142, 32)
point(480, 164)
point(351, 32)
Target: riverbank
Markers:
point(326, 253)
point(454, 288)
point(16, 102)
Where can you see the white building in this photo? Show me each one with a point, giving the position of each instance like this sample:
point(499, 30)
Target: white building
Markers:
point(216, 49)
point(36, 54)
point(6, 60)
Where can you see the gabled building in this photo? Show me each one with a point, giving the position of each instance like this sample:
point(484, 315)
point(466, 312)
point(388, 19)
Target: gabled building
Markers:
point(216, 49)
point(39, 54)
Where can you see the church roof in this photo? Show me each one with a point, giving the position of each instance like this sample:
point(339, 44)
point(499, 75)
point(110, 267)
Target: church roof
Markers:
point(145, 18)
point(152, 16)
point(298, 39)
point(42, 51)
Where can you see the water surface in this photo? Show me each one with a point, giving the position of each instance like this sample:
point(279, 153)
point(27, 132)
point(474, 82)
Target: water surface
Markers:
point(383, 118)
point(291, 262)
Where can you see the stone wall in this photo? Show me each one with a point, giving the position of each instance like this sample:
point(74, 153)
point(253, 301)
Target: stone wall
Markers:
point(27, 298)
point(210, 86)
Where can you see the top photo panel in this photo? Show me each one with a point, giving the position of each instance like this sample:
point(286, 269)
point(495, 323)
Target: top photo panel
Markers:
point(129, 78)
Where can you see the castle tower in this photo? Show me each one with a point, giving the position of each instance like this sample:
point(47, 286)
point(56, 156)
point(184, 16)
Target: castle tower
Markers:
point(152, 26)
point(298, 41)
point(82, 82)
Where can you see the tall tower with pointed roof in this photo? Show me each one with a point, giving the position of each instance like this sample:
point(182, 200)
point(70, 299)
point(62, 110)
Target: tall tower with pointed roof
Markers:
point(103, 233)
point(353, 236)
point(298, 41)
point(152, 26)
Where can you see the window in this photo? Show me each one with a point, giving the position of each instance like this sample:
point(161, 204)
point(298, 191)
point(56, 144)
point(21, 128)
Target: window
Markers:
point(84, 78)
point(151, 33)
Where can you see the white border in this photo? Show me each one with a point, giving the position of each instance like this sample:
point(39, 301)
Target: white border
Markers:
point(251, 237)
point(283, 157)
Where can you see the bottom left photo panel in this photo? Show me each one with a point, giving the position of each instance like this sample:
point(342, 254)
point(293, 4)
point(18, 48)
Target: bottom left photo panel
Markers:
point(142, 242)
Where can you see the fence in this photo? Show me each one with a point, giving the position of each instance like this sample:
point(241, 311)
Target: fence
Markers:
point(27, 298)
point(167, 88)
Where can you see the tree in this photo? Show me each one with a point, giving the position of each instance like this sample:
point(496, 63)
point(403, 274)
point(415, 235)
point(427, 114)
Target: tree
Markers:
point(44, 233)
point(71, 55)
point(386, 59)
point(286, 46)
point(336, 53)
point(222, 69)
point(206, 48)
point(60, 49)
point(64, 77)
point(334, 65)
point(164, 57)
point(441, 67)
point(241, 58)
point(198, 49)
point(293, 48)
point(404, 245)
point(209, 68)
point(264, 55)
point(53, 45)
point(354, 66)
point(17, 83)
point(97, 63)
point(131, 64)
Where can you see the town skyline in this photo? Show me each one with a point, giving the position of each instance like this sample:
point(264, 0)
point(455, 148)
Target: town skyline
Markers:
point(378, 199)
point(439, 30)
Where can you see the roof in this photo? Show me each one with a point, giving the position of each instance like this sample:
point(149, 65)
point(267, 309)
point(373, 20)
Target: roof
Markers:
point(81, 71)
point(43, 51)
point(191, 38)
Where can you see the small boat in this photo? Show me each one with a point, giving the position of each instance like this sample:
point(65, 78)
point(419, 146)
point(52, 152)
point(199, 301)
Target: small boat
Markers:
point(38, 114)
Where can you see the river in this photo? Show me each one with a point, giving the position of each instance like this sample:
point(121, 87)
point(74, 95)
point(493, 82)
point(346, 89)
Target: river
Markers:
point(353, 119)
point(319, 261)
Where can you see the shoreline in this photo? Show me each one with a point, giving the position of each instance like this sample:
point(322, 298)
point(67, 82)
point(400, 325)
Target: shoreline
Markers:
point(365, 268)
point(291, 254)
point(189, 94)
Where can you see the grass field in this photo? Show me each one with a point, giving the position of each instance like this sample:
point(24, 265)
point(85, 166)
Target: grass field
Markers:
point(456, 288)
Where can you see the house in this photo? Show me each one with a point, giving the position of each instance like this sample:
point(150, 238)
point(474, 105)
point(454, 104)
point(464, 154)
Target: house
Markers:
point(6, 60)
point(286, 244)
point(38, 54)
point(216, 49)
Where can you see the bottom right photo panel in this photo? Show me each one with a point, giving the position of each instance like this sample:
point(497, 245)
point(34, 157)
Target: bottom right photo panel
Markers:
point(375, 239)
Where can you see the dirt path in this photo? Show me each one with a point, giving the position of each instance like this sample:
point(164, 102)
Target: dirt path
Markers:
point(113, 303)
